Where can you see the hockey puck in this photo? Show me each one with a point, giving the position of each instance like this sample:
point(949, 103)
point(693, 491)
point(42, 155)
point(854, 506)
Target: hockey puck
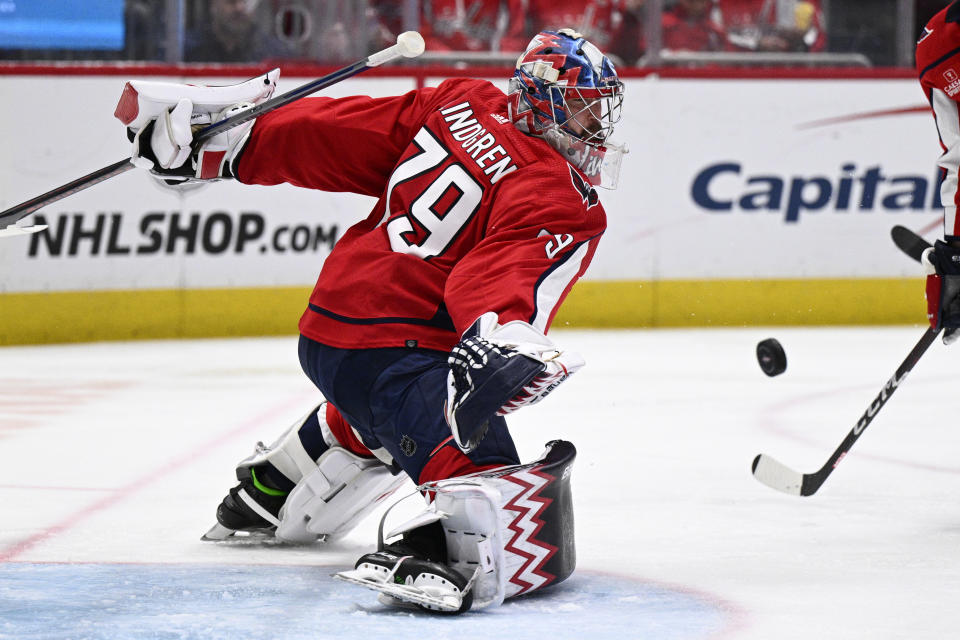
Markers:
point(772, 358)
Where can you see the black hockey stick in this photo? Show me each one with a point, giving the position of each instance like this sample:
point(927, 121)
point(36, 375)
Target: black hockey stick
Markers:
point(775, 474)
point(409, 45)
point(909, 242)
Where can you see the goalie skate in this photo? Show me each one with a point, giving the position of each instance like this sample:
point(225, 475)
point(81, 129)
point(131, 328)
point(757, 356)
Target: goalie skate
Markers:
point(406, 580)
point(246, 515)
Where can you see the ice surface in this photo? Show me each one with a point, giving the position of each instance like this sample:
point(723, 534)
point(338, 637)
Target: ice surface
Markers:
point(114, 457)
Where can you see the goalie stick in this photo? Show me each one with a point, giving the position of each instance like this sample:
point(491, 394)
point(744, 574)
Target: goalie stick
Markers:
point(409, 45)
point(777, 475)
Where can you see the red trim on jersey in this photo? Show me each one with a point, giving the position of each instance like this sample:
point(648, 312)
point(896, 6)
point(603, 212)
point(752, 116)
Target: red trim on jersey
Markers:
point(344, 434)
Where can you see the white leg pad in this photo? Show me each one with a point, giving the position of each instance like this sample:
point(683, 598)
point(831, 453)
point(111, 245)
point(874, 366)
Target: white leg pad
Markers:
point(287, 453)
point(330, 500)
point(470, 513)
point(474, 539)
point(508, 530)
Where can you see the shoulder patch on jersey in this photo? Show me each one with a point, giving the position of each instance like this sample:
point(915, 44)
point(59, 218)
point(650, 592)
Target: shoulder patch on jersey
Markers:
point(952, 82)
point(586, 191)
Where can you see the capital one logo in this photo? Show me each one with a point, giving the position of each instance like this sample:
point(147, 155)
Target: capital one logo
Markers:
point(950, 76)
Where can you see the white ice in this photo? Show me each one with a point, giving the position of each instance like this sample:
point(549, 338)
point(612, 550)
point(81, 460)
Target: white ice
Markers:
point(115, 455)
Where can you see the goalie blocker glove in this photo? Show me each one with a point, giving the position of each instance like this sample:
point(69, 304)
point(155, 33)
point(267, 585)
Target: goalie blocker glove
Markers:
point(496, 369)
point(942, 264)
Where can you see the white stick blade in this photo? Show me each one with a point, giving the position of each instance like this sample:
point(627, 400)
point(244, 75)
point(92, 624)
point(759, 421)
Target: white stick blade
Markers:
point(14, 230)
point(777, 475)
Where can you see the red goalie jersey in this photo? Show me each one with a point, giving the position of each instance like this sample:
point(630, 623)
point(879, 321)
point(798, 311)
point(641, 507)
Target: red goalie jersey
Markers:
point(472, 215)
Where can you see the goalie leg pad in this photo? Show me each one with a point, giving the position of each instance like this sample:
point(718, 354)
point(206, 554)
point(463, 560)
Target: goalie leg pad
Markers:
point(332, 499)
point(506, 532)
point(295, 453)
point(514, 523)
point(269, 475)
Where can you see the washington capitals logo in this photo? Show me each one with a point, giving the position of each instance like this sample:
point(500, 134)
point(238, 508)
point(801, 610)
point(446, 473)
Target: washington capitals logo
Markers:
point(587, 192)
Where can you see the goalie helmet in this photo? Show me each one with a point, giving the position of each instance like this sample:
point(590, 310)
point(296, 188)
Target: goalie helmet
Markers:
point(567, 92)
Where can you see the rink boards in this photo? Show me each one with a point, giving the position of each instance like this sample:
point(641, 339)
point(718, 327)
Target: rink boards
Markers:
point(743, 201)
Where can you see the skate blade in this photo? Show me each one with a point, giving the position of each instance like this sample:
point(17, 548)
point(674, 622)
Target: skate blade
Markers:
point(217, 533)
point(401, 592)
point(223, 535)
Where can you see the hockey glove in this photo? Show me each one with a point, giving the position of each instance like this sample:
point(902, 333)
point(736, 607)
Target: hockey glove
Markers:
point(942, 265)
point(497, 369)
point(164, 145)
point(162, 117)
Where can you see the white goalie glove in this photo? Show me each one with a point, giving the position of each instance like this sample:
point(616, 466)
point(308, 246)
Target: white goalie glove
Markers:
point(162, 117)
point(496, 369)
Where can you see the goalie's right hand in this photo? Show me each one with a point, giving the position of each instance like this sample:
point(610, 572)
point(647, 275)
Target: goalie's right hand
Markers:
point(942, 265)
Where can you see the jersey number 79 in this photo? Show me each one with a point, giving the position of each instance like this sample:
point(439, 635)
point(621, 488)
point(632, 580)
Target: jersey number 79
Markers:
point(444, 207)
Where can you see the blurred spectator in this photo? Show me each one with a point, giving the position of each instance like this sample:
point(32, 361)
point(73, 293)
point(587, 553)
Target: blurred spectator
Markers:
point(595, 19)
point(691, 25)
point(385, 22)
point(335, 44)
point(616, 26)
point(144, 27)
point(230, 33)
point(627, 39)
point(868, 28)
point(773, 25)
point(472, 25)
point(508, 25)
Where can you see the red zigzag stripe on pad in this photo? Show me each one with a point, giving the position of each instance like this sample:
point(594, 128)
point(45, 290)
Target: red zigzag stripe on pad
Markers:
point(528, 505)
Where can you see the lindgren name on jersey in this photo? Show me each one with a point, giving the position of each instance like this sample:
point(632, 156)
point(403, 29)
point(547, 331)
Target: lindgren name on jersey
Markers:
point(481, 145)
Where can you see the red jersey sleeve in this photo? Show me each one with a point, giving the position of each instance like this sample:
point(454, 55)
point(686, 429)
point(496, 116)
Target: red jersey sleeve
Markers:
point(534, 250)
point(344, 144)
point(938, 65)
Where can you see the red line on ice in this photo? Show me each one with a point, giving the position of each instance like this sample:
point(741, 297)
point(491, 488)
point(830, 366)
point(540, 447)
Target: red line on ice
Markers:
point(19, 548)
